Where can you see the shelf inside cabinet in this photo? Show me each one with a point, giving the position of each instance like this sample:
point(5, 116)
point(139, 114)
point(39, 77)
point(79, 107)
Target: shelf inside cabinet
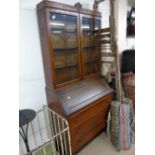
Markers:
point(71, 32)
point(65, 49)
point(92, 46)
point(67, 66)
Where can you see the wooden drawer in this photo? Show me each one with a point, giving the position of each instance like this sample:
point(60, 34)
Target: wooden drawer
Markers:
point(88, 125)
point(88, 136)
point(91, 123)
point(88, 122)
point(77, 142)
point(86, 113)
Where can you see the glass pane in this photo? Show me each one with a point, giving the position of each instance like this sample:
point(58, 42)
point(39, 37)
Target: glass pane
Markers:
point(72, 57)
point(71, 24)
point(96, 49)
point(96, 24)
point(86, 29)
point(60, 58)
point(87, 45)
point(58, 30)
point(65, 44)
point(71, 31)
point(90, 50)
point(87, 55)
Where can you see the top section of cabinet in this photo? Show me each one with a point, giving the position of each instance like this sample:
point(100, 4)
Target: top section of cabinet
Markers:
point(56, 5)
point(67, 36)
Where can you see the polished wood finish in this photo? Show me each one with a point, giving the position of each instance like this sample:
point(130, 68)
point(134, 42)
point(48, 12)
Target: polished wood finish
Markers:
point(84, 100)
point(87, 123)
point(85, 105)
point(56, 5)
point(81, 94)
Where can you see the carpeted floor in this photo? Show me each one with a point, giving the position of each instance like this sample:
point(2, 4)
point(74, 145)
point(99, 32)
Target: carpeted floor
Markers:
point(102, 145)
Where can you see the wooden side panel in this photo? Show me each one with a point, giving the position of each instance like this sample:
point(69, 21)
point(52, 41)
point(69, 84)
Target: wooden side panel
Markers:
point(53, 102)
point(45, 47)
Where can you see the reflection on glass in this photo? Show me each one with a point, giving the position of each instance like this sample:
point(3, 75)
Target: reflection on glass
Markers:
point(90, 52)
point(64, 41)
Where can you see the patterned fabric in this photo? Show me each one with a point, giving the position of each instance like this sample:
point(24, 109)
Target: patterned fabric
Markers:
point(120, 125)
point(128, 80)
point(115, 123)
point(129, 92)
point(125, 75)
point(124, 117)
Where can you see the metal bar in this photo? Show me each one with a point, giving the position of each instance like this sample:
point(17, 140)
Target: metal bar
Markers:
point(57, 140)
point(69, 142)
point(60, 137)
point(23, 132)
point(39, 129)
point(50, 121)
point(34, 135)
point(66, 122)
point(66, 151)
point(41, 146)
point(46, 122)
point(59, 128)
point(52, 132)
point(27, 130)
point(53, 146)
point(22, 135)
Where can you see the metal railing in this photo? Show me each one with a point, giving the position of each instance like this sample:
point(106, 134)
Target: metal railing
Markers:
point(48, 132)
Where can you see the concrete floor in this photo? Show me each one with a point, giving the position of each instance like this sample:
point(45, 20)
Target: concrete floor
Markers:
point(102, 145)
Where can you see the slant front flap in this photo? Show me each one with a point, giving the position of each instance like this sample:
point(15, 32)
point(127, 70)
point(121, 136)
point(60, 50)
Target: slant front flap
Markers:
point(82, 93)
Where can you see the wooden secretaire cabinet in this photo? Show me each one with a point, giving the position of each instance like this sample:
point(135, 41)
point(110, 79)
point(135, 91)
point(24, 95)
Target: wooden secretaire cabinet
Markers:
point(71, 59)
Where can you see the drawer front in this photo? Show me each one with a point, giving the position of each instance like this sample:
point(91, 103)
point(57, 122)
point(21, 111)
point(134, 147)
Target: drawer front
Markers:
point(77, 141)
point(91, 123)
point(92, 133)
point(88, 112)
point(88, 126)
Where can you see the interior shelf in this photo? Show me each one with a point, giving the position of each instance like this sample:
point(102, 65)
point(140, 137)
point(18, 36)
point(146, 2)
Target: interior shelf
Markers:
point(66, 66)
point(65, 49)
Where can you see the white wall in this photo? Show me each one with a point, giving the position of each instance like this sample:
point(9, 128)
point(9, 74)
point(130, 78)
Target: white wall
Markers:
point(124, 42)
point(32, 83)
point(121, 12)
point(130, 43)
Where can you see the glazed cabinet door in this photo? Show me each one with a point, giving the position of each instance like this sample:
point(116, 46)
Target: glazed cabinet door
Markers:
point(63, 30)
point(89, 48)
